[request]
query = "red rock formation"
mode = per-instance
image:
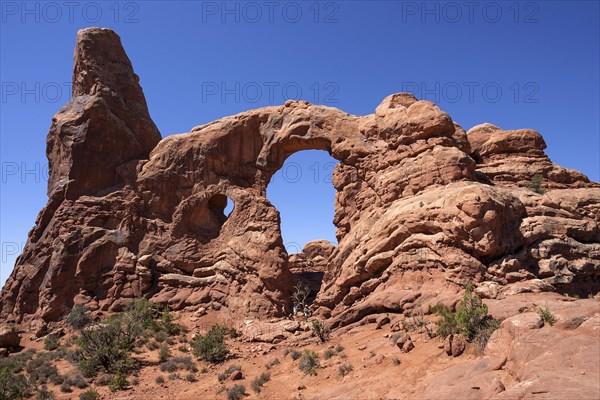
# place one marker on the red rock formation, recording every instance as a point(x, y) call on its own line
point(421, 207)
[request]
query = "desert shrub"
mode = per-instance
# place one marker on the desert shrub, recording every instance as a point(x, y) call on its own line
point(45, 394)
point(13, 386)
point(295, 354)
point(135, 381)
point(191, 377)
point(309, 362)
point(143, 313)
point(342, 355)
point(320, 330)
point(327, 354)
point(212, 346)
point(222, 376)
point(118, 382)
point(160, 379)
point(470, 319)
point(103, 379)
point(161, 336)
point(395, 361)
point(186, 362)
point(395, 337)
point(169, 366)
point(536, 184)
point(51, 342)
point(78, 381)
point(167, 322)
point(79, 317)
point(152, 345)
point(345, 369)
point(90, 394)
point(164, 353)
point(339, 348)
point(41, 370)
point(65, 387)
point(183, 348)
point(105, 346)
point(236, 392)
point(259, 381)
point(231, 369)
point(174, 376)
point(546, 315)
point(272, 363)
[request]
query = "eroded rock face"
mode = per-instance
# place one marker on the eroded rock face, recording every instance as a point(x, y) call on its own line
point(421, 207)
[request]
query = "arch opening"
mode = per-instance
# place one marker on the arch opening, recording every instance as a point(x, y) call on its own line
point(302, 191)
point(203, 218)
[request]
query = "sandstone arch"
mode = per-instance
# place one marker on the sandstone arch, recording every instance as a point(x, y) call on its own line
point(414, 210)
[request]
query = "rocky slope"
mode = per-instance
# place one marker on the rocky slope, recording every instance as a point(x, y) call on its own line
point(422, 207)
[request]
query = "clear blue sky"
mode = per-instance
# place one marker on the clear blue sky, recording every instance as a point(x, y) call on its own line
point(525, 64)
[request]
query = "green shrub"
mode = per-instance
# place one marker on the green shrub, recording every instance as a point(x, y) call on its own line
point(161, 336)
point(470, 319)
point(45, 394)
point(103, 379)
point(536, 184)
point(295, 354)
point(79, 317)
point(320, 330)
point(78, 382)
point(41, 370)
point(183, 348)
point(546, 315)
point(272, 363)
point(143, 313)
point(191, 377)
point(237, 392)
point(309, 362)
point(169, 366)
point(152, 345)
point(51, 342)
point(118, 382)
point(65, 387)
point(106, 346)
point(344, 369)
point(90, 394)
point(167, 322)
point(327, 354)
point(186, 362)
point(211, 347)
point(13, 386)
point(160, 379)
point(164, 353)
point(259, 381)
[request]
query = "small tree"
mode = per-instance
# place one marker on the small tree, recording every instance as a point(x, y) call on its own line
point(321, 330)
point(536, 184)
point(107, 346)
point(299, 296)
point(470, 319)
point(79, 317)
point(211, 347)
